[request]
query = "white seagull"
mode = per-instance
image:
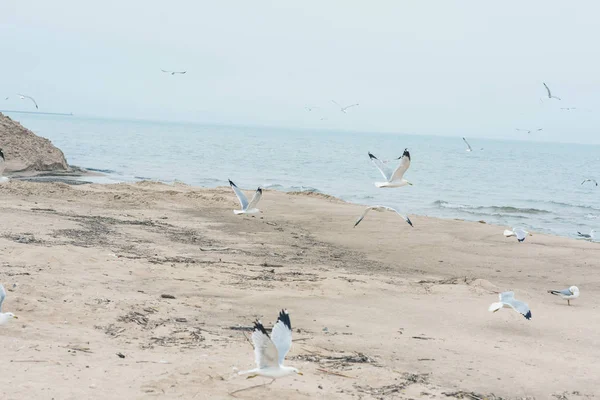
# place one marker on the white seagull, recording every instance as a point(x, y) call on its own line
point(173, 72)
point(468, 145)
point(550, 93)
point(591, 236)
point(270, 352)
point(311, 108)
point(4, 317)
point(394, 179)
point(342, 108)
point(381, 208)
point(590, 180)
point(507, 300)
point(566, 294)
point(247, 208)
point(23, 97)
point(529, 130)
point(521, 234)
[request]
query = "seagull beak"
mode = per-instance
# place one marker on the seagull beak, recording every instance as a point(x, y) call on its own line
point(410, 183)
point(300, 373)
point(15, 317)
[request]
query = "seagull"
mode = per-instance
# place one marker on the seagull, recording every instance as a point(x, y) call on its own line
point(550, 93)
point(521, 234)
point(468, 145)
point(529, 130)
point(381, 208)
point(567, 294)
point(270, 352)
point(311, 108)
point(4, 317)
point(507, 300)
point(174, 72)
point(591, 236)
point(247, 208)
point(23, 97)
point(393, 179)
point(590, 180)
point(342, 108)
point(2, 162)
point(568, 108)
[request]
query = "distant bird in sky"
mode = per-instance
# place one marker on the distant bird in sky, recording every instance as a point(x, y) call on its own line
point(173, 72)
point(381, 208)
point(7, 98)
point(395, 179)
point(311, 108)
point(566, 294)
point(23, 97)
point(568, 108)
point(550, 96)
point(468, 145)
point(247, 208)
point(529, 130)
point(507, 300)
point(590, 180)
point(342, 108)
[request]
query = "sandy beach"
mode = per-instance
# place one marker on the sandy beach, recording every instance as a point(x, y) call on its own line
point(168, 277)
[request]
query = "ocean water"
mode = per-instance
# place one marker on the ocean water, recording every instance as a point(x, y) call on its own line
point(532, 185)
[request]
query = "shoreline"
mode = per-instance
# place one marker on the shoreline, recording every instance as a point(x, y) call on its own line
point(382, 308)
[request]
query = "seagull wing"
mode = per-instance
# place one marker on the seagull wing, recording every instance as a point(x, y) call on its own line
point(520, 307)
point(584, 181)
point(168, 72)
point(30, 98)
point(265, 351)
point(2, 296)
point(405, 218)
point(467, 143)
point(363, 215)
point(548, 90)
point(281, 335)
point(381, 167)
point(404, 165)
point(241, 196)
point(255, 199)
point(337, 104)
point(508, 233)
point(350, 106)
point(564, 292)
point(521, 234)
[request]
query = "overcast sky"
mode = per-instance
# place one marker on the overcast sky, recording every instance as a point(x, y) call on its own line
point(472, 68)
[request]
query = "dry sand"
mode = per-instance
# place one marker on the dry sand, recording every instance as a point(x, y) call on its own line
point(379, 311)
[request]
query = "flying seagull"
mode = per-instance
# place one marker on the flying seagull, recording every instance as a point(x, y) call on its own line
point(468, 145)
point(311, 108)
point(342, 108)
point(381, 208)
point(247, 208)
point(521, 234)
point(567, 294)
point(591, 236)
point(590, 180)
point(174, 72)
point(507, 300)
point(270, 352)
point(394, 179)
point(23, 97)
point(568, 108)
point(550, 93)
point(4, 317)
point(529, 130)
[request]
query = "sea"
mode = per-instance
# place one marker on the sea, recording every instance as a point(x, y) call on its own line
point(533, 185)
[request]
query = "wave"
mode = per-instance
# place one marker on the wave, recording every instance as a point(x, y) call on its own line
point(494, 210)
point(104, 171)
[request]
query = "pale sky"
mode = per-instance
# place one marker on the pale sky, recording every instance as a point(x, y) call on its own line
point(471, 67)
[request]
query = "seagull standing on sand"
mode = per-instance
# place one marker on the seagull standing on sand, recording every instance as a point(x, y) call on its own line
point(173, 72)
point(381, 208)
point(591, 236)
point(590, 180)
point(247, 208)
point(550, 96)
point(507, 300)
point(4, 317)
point(468, 145)
point(521, 234)
point(23, 97)
point(269, 352)
point(567, 294)
point(394, 179)
point(342, 108)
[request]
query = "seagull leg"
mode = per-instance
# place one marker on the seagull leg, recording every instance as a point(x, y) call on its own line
point(568, 302)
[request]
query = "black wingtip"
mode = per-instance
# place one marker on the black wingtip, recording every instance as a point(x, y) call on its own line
point(258, 326)
point(409, 222)
point(259, 190)
point(406, 154)
point(371, 156)
point(284, 317)
point(231, 183)
point(528, 315)
point(521, 240)
point(555, 292)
